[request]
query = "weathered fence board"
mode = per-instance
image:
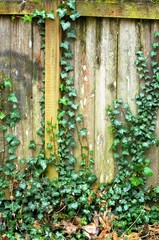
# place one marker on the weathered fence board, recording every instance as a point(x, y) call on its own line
point(127, 84)
point(21, 60)
point(105, 70)
point(52, 76)
point(108, 8)
point(147, 29)
point(105, 85)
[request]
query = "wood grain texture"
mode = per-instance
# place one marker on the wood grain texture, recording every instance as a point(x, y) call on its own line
point(147, 29)
point(128, 44)
point(37, 85)
point(21, 75)
point(4, 73)
point(117, 9)
point(52, 75)
point(105, 92)
point(79, 46)
point(140, 10)
point(84, 64)
point(13, 7)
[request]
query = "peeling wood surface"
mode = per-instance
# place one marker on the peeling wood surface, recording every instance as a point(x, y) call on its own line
point(18, 50)
point(105, 93)
point(105, 70)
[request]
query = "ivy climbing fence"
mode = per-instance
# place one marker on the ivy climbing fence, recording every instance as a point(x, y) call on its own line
point(108, 35)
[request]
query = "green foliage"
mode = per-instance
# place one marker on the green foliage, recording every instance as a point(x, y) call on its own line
point(41, 15)
point(133, 137)
point(37, 204)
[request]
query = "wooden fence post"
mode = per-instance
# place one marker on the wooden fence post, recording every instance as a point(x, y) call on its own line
point(52, 74)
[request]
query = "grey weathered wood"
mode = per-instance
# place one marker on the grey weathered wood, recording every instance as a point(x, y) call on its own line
point(85, 78)
point(128, 44)
point(21, 74)
point(4, 73)
point(79, 62)
point(147, 38)
point(105, 92)
point(37, 85)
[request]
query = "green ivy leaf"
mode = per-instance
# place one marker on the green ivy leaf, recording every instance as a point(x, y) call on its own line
point(156, 189)
point(155, 45)
point(2, 115)
point(27, 18)
point(65, 25)
point(136, 181)
point(148, 171)
point(9, 137)
point(156, 34)
point(12, 98)
point(75, 15)
point(83, 132)
point(61, 12)
point(7, 83)
point(79, 118)
point(64, 45)
point(64, 101)
point(32, 145)
point(73, 205)
point(153, 53)
point(49, 146)
point(71, 33)
point(50, 15)
point(71, 4)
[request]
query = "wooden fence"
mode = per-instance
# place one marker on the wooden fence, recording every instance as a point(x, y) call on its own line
point(108, 35)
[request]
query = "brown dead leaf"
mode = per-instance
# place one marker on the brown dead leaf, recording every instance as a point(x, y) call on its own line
point(147, 208)
point(133, 236)
point(115, 236)
point(77, 221)
point(154, 230)
point(105, 223)
point(36, 225)
point(103, 235)
point(91, 229)
point(69, 227)
point(90, 199)
point(4, 237)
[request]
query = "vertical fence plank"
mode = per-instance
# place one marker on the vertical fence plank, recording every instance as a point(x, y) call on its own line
point(147, 30)
point(21, 74)
point(4, 73)
point(5, 46)
point(105, 92)
point(52, 73)
point(154, 152)
point(37, 85)
point(128, 84)
point(84, 63)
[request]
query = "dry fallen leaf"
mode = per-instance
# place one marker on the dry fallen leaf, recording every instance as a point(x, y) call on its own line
point(133, 236)
point(69, 227)
point(36, 225)
point(91, 229)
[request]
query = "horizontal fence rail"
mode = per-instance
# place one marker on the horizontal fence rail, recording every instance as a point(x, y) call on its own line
point(115, 9)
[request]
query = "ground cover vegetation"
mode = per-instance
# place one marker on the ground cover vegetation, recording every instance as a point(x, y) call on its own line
point(69, 207)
